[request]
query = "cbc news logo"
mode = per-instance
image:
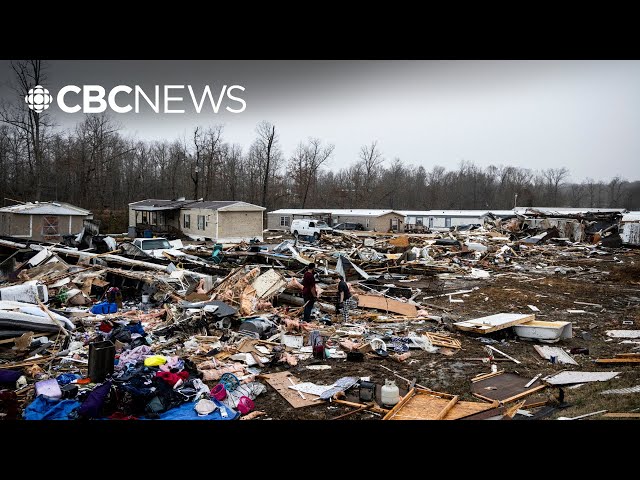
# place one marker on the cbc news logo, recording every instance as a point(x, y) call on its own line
point(38, 99)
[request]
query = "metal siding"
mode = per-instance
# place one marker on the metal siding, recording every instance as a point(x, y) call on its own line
point(210, 228)
point(235, 225)
point(631, 233)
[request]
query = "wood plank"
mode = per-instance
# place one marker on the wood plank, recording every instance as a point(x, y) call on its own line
point(280, 382)
point(448, 407)
point(442, 340)
point(618, 360)
point(622, 415)
point(387, 305)
point(493, 323)
point(484, 376)
point(511, 411)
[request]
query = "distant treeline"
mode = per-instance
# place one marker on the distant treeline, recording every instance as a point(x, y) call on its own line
point(99, 167)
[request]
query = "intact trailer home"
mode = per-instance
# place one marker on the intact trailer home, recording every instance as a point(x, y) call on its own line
point(219, 221)
point(371, 219)
point(42, 220)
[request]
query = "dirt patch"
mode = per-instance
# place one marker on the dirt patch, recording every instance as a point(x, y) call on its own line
point(613, 290)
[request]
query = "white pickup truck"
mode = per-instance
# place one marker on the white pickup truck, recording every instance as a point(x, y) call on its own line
point(156, 246)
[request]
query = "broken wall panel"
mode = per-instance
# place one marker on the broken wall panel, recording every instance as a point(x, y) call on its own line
point(504, 387)
point(493, 323)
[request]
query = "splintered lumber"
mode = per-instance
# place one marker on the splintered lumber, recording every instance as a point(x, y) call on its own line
point(503, 354)
point(420, 404)
point(373, 408)
point(492, 323)
point(281, 381)
point(387, 304)
point(359, 409)
point(618, 360)
point(622, 415)
point(443, 340)
point(511, 411)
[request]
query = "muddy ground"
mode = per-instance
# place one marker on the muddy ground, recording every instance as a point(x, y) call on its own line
point(612, 281)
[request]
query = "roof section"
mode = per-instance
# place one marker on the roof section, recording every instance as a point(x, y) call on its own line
point(549, 211)
point(156, 205)
point(357, 212)
point(46, 208)
point(631, 217)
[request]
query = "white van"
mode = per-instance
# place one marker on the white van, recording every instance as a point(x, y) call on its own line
point(309, 227)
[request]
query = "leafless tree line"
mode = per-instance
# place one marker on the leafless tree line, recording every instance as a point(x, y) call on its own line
point(97, 167)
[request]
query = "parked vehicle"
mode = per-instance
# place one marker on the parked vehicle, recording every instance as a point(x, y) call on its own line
point(155, 246)
point(349, 226)
point(309, 227)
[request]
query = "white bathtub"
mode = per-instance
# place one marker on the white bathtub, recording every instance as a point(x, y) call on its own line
point(546, 332)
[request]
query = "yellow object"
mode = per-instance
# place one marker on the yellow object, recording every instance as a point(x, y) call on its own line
point(154, 361)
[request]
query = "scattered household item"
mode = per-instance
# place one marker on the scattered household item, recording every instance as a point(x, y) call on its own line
point(367, 391)
point(229, 381)
point(104, 308)
point(245, 405)
point(219, 392)
point(48, 388)
point(546, 332)
point(101, 358)
point(390, 394)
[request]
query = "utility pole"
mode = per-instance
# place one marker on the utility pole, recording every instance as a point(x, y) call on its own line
point(515, 201)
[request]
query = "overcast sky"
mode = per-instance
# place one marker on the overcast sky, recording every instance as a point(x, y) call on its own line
point(584, 115)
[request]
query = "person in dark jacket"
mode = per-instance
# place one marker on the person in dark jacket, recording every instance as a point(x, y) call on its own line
point(345, 299)
point(309, 292)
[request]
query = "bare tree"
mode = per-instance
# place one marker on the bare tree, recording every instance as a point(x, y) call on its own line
point(555, 178)
point(304, 165)
point(371, 159)
point(28, 74)
point(266, 152)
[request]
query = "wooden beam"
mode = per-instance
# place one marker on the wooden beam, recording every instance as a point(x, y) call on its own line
point(447, 407)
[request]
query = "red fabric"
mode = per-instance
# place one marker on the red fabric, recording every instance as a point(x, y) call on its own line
point(172, 378)
point(121, 416)
point(105, 327)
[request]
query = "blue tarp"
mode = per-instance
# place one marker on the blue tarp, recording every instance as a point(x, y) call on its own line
point(186, 411)
point(43, 408)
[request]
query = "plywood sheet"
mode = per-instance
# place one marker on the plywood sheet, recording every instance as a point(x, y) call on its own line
point(495, 322)
point(423, 405)
point(268, 284)
point(280, 382)
point(387, 304)
point(566, 378)
point(505, 387)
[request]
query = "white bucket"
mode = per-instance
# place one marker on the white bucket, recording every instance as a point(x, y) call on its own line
point(145, 298)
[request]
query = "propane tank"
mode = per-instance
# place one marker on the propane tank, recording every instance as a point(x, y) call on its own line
point(389, 393)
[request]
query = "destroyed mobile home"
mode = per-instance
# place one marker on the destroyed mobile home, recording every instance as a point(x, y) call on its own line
point(528, 317)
